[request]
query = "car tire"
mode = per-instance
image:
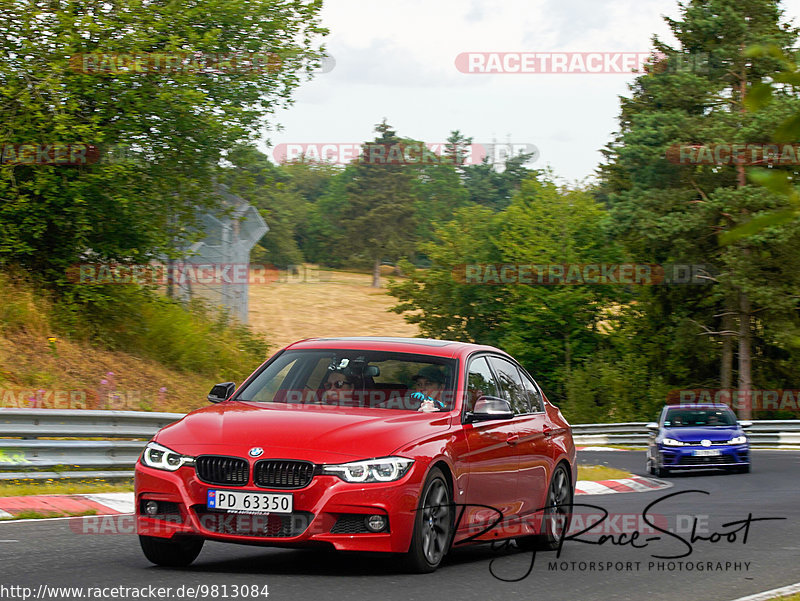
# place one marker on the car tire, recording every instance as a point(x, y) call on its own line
point(171, 553)
point(743, 469)
point(556, 518)
point(650, 467)
point(661, 472)
point(433, 526)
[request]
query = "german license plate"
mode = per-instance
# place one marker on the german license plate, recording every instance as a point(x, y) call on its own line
point(707, 452)
point(249, 502)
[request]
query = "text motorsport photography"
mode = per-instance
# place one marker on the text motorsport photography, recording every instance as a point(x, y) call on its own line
point(667, 548)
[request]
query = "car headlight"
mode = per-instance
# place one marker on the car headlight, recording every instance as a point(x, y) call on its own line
point(385, 469)
point(738, 440)
point(671, 442)
point(162, 458)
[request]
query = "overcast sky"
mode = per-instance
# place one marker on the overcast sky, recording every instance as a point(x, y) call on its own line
point(397, 60)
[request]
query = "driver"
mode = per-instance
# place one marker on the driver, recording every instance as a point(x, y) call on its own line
point(338, 389)
point(429, 386)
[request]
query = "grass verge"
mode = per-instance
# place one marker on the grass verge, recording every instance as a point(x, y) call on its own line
point(600, 472)
point(36, 515)
point(23, 488)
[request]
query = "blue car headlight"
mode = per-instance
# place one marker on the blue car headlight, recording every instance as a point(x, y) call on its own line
point(738, 440)
point(671, 442)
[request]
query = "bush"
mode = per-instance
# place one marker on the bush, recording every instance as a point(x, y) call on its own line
point(135, 320)
point(191, 338)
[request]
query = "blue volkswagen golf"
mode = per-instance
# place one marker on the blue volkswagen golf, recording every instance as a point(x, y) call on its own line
point(697, 437)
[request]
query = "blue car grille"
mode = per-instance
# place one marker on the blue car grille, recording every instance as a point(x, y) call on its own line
point(720, 459)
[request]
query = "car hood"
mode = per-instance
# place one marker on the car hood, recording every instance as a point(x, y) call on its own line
point(712, 433)
point(313, 433)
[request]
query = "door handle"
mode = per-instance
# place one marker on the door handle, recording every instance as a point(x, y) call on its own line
point(512, 439)
point(547, 430)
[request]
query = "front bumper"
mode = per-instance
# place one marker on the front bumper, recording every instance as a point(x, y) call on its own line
point(687, 457)
point(325, 513)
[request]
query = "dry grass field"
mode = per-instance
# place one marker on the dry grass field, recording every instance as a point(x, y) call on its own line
point(40, 370)
point(324, 303)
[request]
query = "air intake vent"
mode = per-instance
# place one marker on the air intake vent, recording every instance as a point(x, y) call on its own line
point(227, 471)
point(274, 473)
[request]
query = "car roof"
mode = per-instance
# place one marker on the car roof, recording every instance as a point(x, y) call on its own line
point(699, 406)
point(423, 346)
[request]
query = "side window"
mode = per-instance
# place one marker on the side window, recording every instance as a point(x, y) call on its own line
point(510, 385)
point(534, 396)
point(480, 382)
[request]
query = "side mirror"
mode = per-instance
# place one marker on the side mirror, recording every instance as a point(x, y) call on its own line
point(490, 408)
point(652, 426)
point(220, 392)
point(746, 424)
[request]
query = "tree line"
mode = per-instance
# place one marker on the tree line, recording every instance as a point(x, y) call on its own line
point(722, 233)
point(605, 350)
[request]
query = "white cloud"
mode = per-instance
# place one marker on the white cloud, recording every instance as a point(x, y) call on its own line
point(396, 60)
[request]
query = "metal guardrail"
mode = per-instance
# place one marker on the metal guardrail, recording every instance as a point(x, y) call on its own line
point(43, 444)
point(28, 449)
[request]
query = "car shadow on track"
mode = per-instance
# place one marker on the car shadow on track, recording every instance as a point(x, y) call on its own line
point(323, 562)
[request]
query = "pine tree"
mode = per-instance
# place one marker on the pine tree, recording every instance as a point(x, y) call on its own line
point(379, 220)
point(674, 211)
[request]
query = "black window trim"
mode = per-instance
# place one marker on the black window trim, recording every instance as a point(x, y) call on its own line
point(535, 385)
point(519, 368)
point(465, 392)
point(510, 359)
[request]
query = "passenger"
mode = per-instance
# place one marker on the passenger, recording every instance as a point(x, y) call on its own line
point(429, 385)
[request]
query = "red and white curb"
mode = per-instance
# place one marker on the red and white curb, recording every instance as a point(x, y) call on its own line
point(621, 485)
point(773, 594)
point(103, 504)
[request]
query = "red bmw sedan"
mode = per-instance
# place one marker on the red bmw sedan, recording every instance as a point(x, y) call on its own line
point(396, 445)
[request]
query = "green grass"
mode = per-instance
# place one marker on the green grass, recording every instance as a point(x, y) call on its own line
point(24, 488)
point(600, 472)
point(192, 338)
point(35, 515)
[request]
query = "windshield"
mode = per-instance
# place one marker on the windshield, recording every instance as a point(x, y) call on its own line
point(677, 418)
point(356, 378)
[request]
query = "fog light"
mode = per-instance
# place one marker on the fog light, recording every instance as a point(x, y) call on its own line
point(376, 523)
point(151, 507)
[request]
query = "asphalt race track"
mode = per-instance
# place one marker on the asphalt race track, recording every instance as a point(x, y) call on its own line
point(53, 552)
